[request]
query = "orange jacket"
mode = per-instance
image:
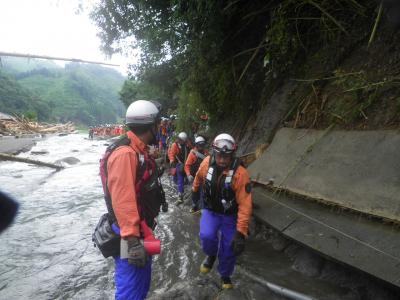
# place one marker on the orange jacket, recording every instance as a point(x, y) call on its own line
point(174, 151)
point(243, 198)
point(192, 158)
point(122, 168)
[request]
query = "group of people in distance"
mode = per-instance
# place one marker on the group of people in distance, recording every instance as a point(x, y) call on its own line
point(220, 190)
point(106, 131)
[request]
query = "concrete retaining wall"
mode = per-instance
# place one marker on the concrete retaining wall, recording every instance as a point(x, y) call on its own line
point(359, 170)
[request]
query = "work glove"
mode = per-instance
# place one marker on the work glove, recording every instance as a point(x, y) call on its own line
point(137, 255)
point(195, 197)
point(190, 178)
point(164, 207)
point(237, 243)
point(161, 171)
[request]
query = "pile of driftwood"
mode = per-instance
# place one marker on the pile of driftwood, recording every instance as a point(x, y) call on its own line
point(21, 125)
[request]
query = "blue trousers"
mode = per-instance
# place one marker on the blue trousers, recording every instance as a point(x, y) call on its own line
point(179, 177)
point(131, 282)
point(216, 234)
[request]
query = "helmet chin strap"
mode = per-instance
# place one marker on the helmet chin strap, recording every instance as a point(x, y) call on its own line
point(154, 137)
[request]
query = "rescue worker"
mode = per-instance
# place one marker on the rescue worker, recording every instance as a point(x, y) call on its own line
point(129, 204)
point(91, 132)
point(163, 135)
point(178, 154)
point(227, 207)
point(195, 157)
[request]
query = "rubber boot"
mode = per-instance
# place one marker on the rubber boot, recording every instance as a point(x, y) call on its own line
point(180, 199)
point(207, 264)
point(195, 210)
point(226, 283)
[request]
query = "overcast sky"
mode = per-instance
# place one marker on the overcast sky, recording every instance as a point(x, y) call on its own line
point(52, 27)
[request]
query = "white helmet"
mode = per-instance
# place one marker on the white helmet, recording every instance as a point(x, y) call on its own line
point(142, 112)
point(199, 140)
point(224, 143)
point(182, 136)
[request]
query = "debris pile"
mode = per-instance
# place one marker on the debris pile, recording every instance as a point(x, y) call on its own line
point(21, 125)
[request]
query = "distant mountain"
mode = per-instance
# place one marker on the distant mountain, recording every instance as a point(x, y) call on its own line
point(83, 93)
point(18, 64)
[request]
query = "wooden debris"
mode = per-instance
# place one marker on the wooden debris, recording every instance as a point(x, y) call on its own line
point(4, 156)
point(20, 125)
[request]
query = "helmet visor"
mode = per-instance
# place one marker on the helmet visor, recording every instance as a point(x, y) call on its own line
point(224, 146)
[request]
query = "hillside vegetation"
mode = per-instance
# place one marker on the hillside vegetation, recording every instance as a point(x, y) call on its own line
point(82, 93)
point(256, 65)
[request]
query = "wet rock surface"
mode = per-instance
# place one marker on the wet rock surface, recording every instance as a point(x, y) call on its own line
point(39, 152)
point(69, 160)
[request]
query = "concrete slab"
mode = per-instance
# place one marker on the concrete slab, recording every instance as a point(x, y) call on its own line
point(365, 244)
point(359, 170)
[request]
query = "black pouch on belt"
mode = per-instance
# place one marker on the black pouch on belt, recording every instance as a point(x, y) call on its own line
point(105, 238)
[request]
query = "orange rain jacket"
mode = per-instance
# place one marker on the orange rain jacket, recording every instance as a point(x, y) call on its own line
point(243, 198)
point(122, 169)
point(192, 159)
point(174, 151)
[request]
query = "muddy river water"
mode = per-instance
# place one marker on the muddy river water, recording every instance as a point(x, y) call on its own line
point(48, 252)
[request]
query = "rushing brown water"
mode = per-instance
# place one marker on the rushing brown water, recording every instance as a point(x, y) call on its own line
point(48, 252)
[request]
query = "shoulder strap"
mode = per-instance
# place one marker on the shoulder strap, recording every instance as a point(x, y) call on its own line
point(198, 154)
point(234, 166)
point(122, 141)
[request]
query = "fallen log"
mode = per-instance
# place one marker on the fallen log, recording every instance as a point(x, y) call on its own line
point(8, 157)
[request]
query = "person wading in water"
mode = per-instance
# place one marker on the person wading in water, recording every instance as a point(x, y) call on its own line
point(227, 207)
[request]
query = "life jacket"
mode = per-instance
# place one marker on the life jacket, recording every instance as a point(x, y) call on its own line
point(149, 192)
point(195, 166)
point(218, 193)
point(183, 152)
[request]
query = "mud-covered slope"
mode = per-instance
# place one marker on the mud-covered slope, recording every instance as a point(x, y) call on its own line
point(347, 84)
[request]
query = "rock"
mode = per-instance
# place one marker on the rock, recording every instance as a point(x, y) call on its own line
point(292, 251)
point(69, 160)
point(308, 263)
point(74, 150)
point(279, 243)
point(40, 152)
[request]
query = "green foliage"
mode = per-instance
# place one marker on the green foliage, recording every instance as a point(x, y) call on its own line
point(156, 83)
point(81, 93)
point(220, 55)
point(31, 115)
point(15, 99)
point(16, 65)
